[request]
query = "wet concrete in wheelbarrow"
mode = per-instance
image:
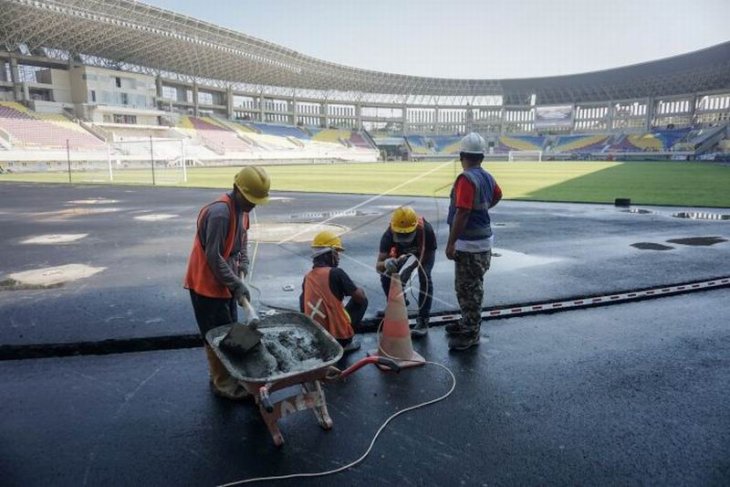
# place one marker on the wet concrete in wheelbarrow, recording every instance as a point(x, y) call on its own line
point(283, 349)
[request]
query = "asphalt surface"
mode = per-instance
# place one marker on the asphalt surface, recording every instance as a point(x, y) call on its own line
point(624, 395)
point(633, 393)
point(544, 252)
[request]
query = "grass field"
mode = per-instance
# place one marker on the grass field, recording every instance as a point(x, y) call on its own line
point(659, 183)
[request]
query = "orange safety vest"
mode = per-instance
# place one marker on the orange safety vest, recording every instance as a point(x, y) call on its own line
point(323, 306)
point(420, 228)
point(199, 277)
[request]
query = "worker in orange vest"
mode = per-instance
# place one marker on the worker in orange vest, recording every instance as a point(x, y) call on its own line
point(325, 287)
point(219, 262)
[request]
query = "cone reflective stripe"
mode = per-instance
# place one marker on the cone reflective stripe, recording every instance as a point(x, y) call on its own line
point(395, 338)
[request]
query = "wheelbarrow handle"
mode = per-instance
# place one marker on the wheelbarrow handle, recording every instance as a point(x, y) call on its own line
point(373, 359)
point(388, 362)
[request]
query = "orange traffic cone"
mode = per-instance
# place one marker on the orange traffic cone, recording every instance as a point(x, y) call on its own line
point(395, 338)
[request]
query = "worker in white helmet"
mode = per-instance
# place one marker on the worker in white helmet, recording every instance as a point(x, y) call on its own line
point(470, 239)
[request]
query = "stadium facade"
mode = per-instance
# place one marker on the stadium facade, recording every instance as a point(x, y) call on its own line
point(111, 65)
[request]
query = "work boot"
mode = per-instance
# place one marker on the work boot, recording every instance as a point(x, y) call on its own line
point(463, 341)
point(221, 382)
point(421, 328)
point(349, 346)
point(454, 328)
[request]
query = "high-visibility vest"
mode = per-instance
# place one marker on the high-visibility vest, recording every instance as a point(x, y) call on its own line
point(199, 277)
point(421, 229)
point(478, 226)
point(322, 305)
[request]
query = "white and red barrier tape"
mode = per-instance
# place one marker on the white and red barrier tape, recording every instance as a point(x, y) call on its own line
point(592, 301)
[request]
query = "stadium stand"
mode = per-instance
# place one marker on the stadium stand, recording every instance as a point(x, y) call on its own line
point(520, 142)
point(348, 138)
point(434, 145)
point(419, 145)
point(330, 135)
point(447, 145)
point(579, 143)
point(655, 141)
point(215, 136)
point(361, 140)
point(278, 130)
point(702, 138)
point(670, 137)
point(31, 130)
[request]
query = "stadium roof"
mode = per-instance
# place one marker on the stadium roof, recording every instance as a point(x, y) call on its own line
point(134, 33)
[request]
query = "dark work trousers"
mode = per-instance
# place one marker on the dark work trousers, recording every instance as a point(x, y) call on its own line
point(213, 312)
point(425, 285)
point(356, 312)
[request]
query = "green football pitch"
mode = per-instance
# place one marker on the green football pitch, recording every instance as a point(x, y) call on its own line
point(648, 183)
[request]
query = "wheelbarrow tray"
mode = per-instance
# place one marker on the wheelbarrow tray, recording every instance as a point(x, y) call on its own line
point(308, 379)
point(328, 349)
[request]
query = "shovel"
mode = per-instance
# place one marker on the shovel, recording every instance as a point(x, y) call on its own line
point(241, 338)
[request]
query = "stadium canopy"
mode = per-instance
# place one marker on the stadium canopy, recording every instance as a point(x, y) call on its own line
point(134, 33)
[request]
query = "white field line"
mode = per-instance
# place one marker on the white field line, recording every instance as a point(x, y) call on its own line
point(374, 198)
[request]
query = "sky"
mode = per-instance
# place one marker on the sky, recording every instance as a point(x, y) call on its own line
point(475, 39)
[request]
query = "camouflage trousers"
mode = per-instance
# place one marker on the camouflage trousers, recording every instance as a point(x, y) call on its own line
point(469, 285)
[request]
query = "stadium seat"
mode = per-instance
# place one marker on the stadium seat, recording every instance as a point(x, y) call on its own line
point(31, 130)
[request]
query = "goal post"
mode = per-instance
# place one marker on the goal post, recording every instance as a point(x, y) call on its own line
point(525, 155)
point(161, 159)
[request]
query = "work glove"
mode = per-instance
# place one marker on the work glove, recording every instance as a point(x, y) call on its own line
point(242, 292)
point(391, 265)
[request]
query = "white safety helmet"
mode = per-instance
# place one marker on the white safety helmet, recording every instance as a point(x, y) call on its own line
point(473, 143)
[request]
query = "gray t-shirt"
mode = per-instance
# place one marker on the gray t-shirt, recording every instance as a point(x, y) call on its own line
point(212, 233)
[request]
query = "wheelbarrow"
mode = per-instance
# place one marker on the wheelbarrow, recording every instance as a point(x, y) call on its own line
point(304, 354)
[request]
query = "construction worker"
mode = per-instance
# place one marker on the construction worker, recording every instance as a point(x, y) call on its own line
point(409, 235)
point(324, 289)
point(470, 239)
point(219, 262)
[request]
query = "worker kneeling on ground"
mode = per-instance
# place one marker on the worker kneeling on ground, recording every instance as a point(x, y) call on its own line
point(325, 287)
point(409, 235)
point(218, 263)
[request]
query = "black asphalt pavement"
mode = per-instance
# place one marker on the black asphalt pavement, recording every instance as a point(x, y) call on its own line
point(634, 393)
point(543, 252)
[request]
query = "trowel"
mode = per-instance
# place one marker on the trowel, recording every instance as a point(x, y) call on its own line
point(241, 338)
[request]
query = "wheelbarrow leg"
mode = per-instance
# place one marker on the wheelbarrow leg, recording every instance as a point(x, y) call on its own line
point(320, 405)
point(271, 419)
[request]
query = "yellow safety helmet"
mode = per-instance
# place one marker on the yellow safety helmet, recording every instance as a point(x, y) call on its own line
point(404, 220)
point(326, 240)
point(254, 184)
